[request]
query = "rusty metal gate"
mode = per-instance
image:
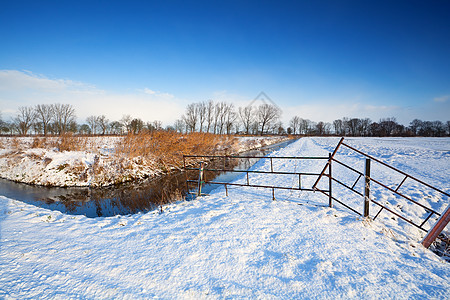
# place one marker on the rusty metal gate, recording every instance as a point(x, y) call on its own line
point(219, 164)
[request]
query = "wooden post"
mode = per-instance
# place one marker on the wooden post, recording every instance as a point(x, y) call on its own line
point(271, 165)
point(437, 228)
point(200, 178)
point(367, 188)
point(330, 197)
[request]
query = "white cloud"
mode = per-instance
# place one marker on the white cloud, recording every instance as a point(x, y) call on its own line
point(444, 98)
point(149, 91)
point(23, 88)
point(13, 80)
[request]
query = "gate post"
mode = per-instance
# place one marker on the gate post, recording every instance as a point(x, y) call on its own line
point(330, 197)
point(437, 228)
point(367, 188)
point(200, 178)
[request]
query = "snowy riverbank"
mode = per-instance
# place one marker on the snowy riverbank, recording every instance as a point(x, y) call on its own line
point(99, 164)
point(241, 246)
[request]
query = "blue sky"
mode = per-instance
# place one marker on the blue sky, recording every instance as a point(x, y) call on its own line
point(321, 60)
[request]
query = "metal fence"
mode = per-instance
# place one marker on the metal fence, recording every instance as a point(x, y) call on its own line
point(219, 164)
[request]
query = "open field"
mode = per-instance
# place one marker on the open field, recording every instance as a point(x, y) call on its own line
point(242, 246)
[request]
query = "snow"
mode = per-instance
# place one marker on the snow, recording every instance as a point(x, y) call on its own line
point(242, 246)
point(99, 165)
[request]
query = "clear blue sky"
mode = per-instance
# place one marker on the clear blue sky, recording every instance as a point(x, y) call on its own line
point(317, 59)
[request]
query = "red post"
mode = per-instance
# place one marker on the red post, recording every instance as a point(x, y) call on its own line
point(328, 163)
point(437, 228)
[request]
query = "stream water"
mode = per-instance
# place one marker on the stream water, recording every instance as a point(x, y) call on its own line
point(124, 199)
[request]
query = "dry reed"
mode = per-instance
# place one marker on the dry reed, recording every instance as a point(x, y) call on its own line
point(167, 148)
point(68, 142)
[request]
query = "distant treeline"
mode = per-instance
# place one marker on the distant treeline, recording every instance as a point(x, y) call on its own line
point(211, 117)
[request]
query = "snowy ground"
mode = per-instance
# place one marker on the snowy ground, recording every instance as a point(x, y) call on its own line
point(241, 246)
point(98, 165)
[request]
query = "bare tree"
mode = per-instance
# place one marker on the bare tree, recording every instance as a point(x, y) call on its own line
point(179, 126)
point(136, 126)
point(209, 114)
point(339, 127)
point(388, 125)
point(24, 119)
point(267, 114)
point(294, 123)
point(305, 126)
point(92, 122)
point(103, 123)
point(353, 125)
point(231, 117)
point(126, 121)
point(201, 111)
point(364, 126)
point(190, 118)
point(247, 117)
point(157, 125)
point(219, 117)
point(116, 127)
point(64, 116)
point(44, 115)
point(84, 129)
point(218, 110)
point(320, 128)
point(415, 126)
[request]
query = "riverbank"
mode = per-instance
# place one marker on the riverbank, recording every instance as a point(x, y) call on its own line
point(103, 161)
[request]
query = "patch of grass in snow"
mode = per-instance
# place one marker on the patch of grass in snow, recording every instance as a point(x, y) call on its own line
point(39, 142)
point(62, 167)
point(168, 147)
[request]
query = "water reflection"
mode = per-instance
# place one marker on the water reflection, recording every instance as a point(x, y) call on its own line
point(128, 198)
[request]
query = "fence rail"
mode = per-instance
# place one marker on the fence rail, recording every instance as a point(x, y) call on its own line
point(433, 233)
point(216, 169)
point(368, 199)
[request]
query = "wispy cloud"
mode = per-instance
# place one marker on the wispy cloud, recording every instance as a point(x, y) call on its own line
point(444, 98)
point(13, 80)
point(24, 88)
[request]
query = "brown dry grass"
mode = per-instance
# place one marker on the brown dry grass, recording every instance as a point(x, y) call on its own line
point(167, 148)
point(68, 142)
point(39, 142)
point(15, 144)
point(164, 148)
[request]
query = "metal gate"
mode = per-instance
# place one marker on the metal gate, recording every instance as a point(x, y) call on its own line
point(219, 164)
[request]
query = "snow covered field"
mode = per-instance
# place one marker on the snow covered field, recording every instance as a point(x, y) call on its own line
point(241, 246)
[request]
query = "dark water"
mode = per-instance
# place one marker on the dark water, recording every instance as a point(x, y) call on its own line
point(128, 198)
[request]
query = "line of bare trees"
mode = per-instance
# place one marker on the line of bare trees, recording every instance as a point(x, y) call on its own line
point(224, 118)
point(58, 119)
point(365, 127)
point(213, 117)
point(43, 118)
point(100, 125)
